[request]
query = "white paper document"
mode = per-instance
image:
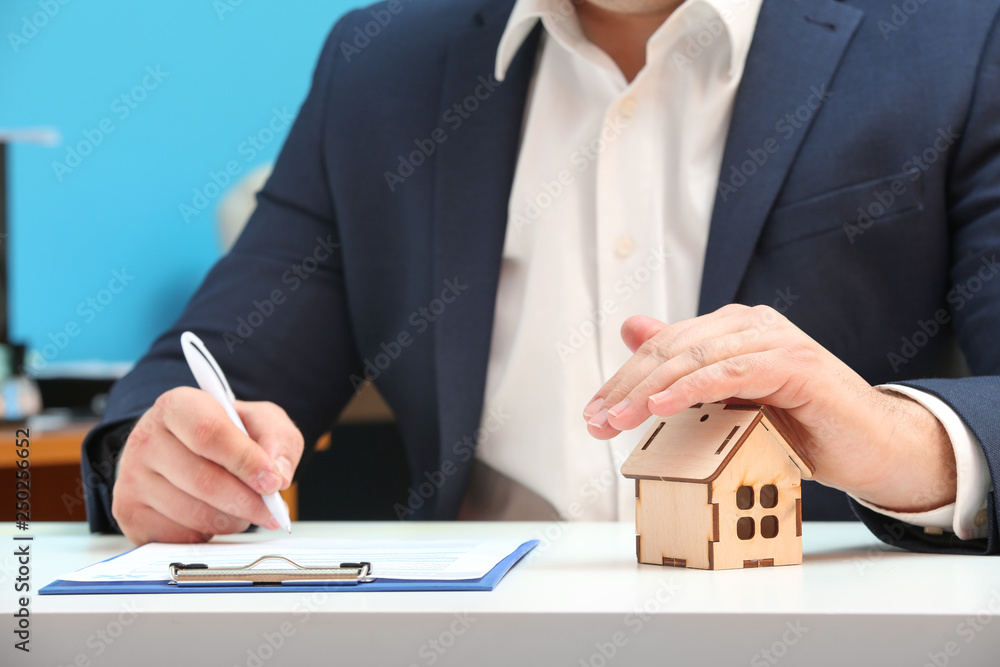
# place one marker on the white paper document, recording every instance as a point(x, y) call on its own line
point(438, 560)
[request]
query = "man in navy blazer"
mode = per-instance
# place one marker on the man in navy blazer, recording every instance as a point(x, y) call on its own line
point(881, 209)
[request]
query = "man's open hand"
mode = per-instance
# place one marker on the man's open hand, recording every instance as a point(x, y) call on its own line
point(188, 473)
point(875, 444)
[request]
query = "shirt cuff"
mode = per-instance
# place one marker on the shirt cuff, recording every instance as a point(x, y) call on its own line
point(966, 517)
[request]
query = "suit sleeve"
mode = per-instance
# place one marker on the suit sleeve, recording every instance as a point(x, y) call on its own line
point(273, 311)
point(966, 517)
point(973, 302)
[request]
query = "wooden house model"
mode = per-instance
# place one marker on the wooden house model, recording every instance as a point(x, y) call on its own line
point(717, 487)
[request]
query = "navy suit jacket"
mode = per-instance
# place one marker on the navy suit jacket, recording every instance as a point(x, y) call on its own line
point(859, 194)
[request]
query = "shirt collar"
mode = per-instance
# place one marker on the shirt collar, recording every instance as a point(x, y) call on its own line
point(738, 19)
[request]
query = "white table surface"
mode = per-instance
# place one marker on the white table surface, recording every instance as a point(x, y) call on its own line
point(579, 599)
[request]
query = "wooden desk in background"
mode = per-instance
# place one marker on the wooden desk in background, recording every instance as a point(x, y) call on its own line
point(56, 486)
point(56, 490)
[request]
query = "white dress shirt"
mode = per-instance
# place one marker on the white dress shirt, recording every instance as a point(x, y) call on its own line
point(608, 218)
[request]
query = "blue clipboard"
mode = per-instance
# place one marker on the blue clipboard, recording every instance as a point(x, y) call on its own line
point(487, 582)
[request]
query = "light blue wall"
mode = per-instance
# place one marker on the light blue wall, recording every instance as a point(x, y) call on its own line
point(223, 73)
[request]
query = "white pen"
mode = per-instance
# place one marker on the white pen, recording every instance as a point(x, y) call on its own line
point(213, 382)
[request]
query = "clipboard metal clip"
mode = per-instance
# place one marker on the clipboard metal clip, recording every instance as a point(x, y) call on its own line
point(250, 575)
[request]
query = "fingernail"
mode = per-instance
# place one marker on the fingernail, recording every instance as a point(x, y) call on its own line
point(284, 467)
point(600, 420)
point(268, 482)
point(619, 409)
point(662, 396)
point(594, 406)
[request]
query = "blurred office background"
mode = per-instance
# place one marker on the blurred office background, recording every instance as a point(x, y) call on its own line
point(150, 100)
point(160, 109)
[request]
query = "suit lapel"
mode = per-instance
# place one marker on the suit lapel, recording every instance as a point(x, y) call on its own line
point(474, 176)
point(796, 51)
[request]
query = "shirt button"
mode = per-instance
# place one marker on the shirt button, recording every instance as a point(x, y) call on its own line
point(628, 107)
point(981, 519)
point(624, 246)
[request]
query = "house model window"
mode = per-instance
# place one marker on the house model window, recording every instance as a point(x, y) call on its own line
point(717, 487)
point(768, 500)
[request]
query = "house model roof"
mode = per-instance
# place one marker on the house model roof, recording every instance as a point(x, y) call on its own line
point(696, 445)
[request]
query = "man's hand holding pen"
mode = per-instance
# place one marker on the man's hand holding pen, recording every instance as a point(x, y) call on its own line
point(187, 471)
